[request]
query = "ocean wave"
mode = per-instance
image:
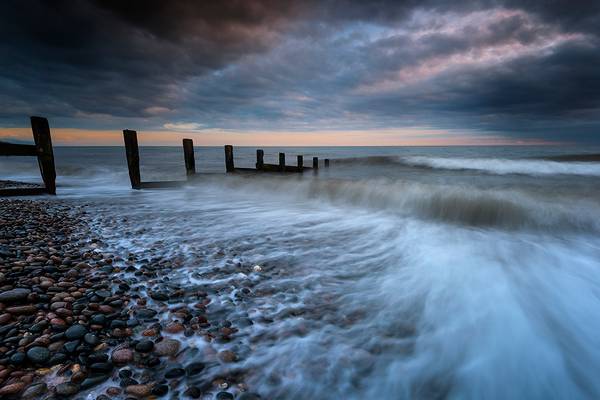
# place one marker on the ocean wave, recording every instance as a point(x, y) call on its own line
point(502, 166)
point(465, 205)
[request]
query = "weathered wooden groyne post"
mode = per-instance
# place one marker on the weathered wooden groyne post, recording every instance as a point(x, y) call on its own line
point(133, 158)
point(260, 159)
point(282, 162)
point(43, 144)
point(42, 149)
point(188, 156)
point(327, 163)
point(229, 166)
point(261, 166)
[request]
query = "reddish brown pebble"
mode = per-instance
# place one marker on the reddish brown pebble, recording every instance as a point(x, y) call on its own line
point(12, 389)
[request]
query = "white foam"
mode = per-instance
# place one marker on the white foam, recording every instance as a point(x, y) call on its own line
point(507, 166)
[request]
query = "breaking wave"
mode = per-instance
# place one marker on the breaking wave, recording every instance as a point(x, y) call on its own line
point(506, 166)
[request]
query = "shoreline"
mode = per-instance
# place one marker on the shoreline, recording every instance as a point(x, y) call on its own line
point(77, 320)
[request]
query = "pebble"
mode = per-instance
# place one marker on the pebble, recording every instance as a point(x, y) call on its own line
point(12, 389)
point(75, 332)
point(122, 356)
point(248, 396)
point(21, 310)
point(227, 356)
point(14, 295)
point(144, 346)
point(224, 396)
point(167, 347)
point(139, 390)
point(174, 373)
point(194, 368)
point(66, 389)
point(34, 391)
point(38, 355)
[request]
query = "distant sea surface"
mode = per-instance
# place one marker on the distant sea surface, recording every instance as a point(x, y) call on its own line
point(399, 272)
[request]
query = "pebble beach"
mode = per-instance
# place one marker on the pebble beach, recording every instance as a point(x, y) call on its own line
point(72, 327)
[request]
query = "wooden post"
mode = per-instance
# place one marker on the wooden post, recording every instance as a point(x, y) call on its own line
point(260, 159)
point(45, 155)
point(133, 157)
point(327, 163)
point(188, 155)
point(300, 163)
point(229, 166)
point(315, 163)
point(282, 162)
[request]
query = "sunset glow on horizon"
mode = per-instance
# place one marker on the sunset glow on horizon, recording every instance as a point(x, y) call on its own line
point(391, 137)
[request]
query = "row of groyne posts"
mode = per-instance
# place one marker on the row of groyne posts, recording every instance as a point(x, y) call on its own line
point(42, 149)
point(133, 163)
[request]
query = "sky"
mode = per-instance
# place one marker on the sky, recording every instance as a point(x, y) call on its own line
point(327, 72)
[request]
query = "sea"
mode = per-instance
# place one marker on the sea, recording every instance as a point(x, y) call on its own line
point(396, 273)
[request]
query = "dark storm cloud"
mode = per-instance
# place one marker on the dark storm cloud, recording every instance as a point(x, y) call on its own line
point(522, 69)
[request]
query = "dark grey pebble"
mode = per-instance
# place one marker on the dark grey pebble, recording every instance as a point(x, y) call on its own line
point(34, 391)
point(144, 346)
point(194, 368)
point(97, 357)
point(98, 319)
point(101, 367)
point(75, 332)
point(58, 358)
point(66, 389)
point(38, 355)
point(193, 392)
point(248, 396)
point(174, 373)
point(125, 373)
point(160, 390)
point(103, 293)
point(17, 358)
point(14, 295)
point(145, 313)
point(71, 346)
point(93, 381)
point(160, 296)
point(91, 339)
point(224, 396)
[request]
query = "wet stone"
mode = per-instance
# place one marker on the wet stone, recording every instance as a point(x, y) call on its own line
point(75, 332)
point(139, 390)
point(167, 347)
point(34, 391)
point(14, 295)
point(224, 396)
point(145, 313)
point(66, 389)
point(144, 346)
point(249, 396)
point(12, 389)
point(122, 356)
point(17, 358)
point(194, 368)
point(93, 381)
point(38, 355)
point(91, 339)
point(71, 346)
point(174, 373)
point(160, 390)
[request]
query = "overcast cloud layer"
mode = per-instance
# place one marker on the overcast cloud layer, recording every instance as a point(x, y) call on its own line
point(519, 69)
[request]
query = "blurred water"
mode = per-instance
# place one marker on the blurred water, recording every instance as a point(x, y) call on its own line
point(422, 273)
